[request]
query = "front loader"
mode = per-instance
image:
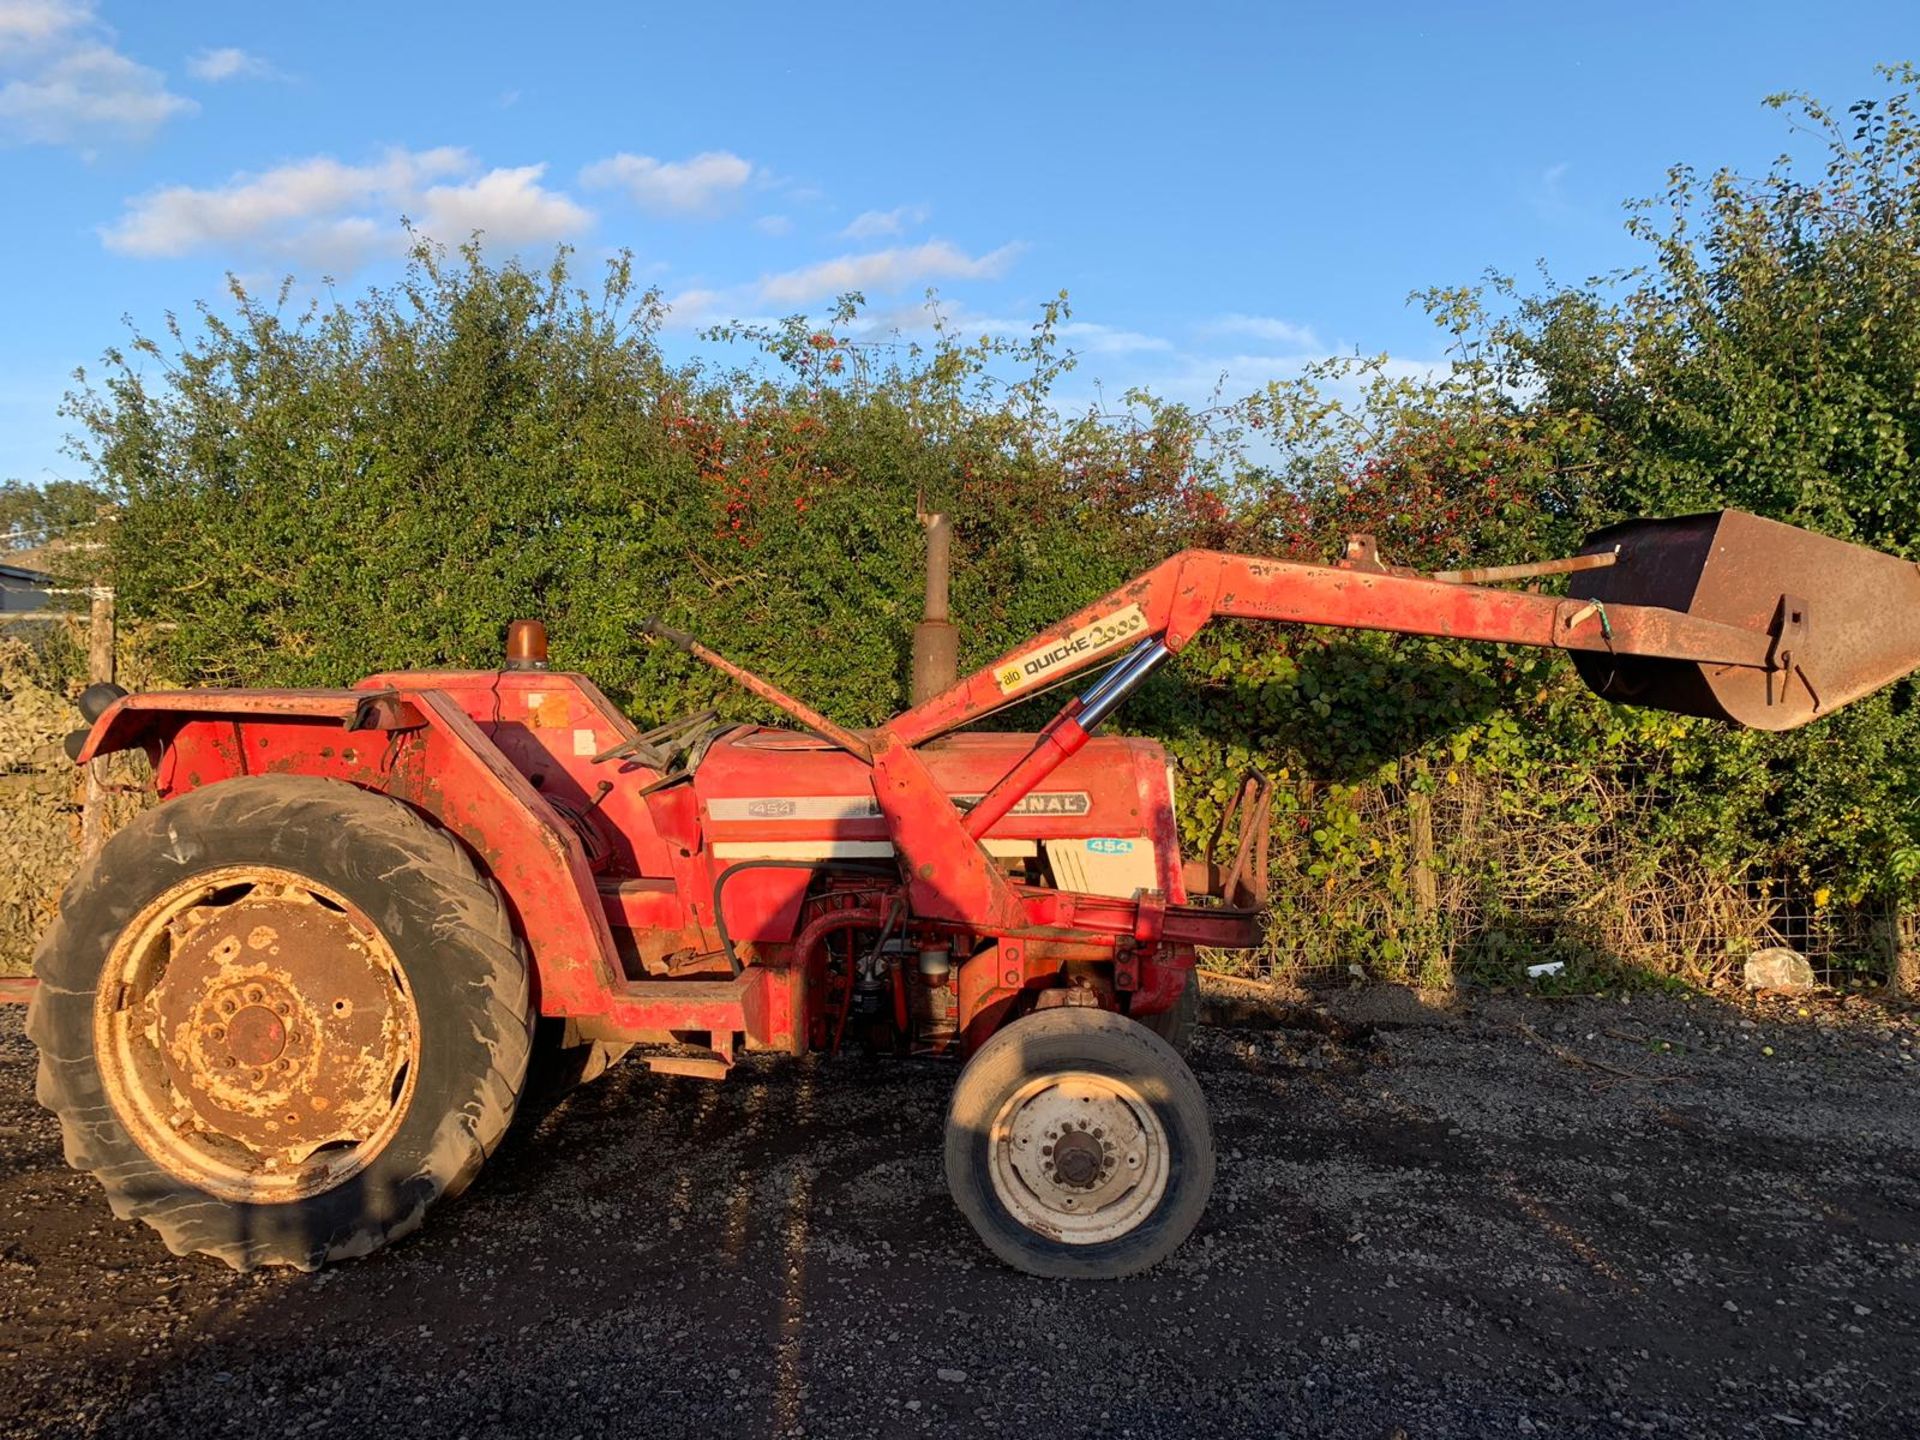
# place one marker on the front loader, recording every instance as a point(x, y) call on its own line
point(297, 1002)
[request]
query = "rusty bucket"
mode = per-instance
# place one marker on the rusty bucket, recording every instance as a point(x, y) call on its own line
point(1845, 619)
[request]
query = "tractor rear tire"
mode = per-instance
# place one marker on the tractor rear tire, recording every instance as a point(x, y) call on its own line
point(280, 1017)
point(1175, 1025)
point(1078, 1145)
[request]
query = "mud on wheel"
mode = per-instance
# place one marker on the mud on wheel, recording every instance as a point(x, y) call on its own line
point(1078, 1145)
point(279, 1018)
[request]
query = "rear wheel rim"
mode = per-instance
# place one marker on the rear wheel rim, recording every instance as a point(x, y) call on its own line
point(1079, 1157)
point(256, 1034)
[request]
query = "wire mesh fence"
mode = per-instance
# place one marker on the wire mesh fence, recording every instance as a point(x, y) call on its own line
point(1476, 877)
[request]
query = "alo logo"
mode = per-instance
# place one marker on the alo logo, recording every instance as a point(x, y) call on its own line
point(1104, 845)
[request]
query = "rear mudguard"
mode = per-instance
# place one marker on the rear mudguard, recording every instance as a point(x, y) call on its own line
point(420, 748)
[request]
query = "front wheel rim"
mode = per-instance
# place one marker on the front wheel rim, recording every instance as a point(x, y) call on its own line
point(1079, 1157)
point(256, 1034)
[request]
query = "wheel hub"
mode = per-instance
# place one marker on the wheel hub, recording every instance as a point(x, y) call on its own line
point(1077, 1159)
point(1081, 1158)
point(259, 1034)
point(255, 1036)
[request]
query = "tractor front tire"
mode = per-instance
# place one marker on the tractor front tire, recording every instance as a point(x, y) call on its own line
point(1078, 1145)
point(280, 1017)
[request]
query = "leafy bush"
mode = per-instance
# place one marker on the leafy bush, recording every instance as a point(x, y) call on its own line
point(390, 482)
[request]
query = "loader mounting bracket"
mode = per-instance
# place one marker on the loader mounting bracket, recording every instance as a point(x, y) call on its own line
point(1786, 656)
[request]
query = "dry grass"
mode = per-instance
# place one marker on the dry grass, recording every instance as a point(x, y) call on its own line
point(40, 792)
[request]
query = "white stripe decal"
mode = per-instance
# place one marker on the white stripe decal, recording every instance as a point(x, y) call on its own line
point(864, 807)
point(794, 807)
point(848, 849)
point(802, 850)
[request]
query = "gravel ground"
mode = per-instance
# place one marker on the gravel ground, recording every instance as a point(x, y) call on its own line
point(1506, 1218)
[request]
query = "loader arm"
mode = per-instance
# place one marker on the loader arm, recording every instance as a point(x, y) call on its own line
point(1732, 636)
point(1173, 601)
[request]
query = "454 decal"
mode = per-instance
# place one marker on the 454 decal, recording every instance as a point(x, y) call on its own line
point(1038, 664)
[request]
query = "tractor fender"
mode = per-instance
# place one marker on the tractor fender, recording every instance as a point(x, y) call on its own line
point(416, 746)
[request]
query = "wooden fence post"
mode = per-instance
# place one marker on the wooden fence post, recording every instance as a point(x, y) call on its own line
point(100, 666)
point(1426, 885)
point(1903, 969)
point(1430, 957)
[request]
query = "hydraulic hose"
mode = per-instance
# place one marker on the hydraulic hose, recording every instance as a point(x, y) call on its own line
point(858, 867)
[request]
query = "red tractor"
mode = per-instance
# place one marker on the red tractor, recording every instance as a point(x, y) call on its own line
point(286, 1010)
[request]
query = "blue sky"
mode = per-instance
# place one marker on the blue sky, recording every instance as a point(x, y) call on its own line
point(1220, 187)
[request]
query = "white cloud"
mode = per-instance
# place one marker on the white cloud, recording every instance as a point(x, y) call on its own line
point(324, 213)
point(511, 206)
point(229, 63)
point(773, 224)
point(64, 81)
point(925, 317)
point(875, 224)
point(87, 93)
point(879, 271)
point(672, 187)
point(65, 84)
point(1548, 196)
point(701, 306)
point(892, 269)
point(1091, 339)
point(29, 24)
point(1265, 327)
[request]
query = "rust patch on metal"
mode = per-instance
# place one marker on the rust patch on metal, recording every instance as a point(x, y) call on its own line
point(552, 712)
point(257, 1034)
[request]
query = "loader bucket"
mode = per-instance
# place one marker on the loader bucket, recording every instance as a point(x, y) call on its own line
point(1846, 618)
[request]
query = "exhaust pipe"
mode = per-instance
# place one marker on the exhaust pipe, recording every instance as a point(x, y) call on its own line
point(936, 643)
